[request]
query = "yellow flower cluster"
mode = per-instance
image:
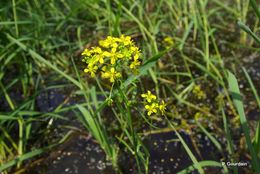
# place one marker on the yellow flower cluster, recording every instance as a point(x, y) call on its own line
point(152, 105)
point(168, 42)
point(198, 116)
point(198, 92)
point(109, 58)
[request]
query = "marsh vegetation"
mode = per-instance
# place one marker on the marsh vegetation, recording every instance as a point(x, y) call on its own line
point(137, 86)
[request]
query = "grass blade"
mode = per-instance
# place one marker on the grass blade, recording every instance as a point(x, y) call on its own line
point(252, 87)
point(256, 140)
point(255, 7)
point(230, 147)
point(249, 31)
point(189, 152)
point(90, 122)
point(203, 164)
point(213, 139)
point(145, 67)
point(33, 153)
point(237, 99)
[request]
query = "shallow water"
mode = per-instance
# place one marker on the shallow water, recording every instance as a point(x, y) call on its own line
point(79, 156)
point(82, 155)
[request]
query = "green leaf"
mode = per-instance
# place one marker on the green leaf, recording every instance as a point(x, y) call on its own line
point(202, 164)
point(255, 7)
point(93, 127)
point(249, 31)
point(237, 99)
point(145, 67)
point(189, 152)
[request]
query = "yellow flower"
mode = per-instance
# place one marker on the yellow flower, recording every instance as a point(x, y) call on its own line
point(151, 108)
point(104, 74)
point(200, 94)
point(108, 42)
point(106, 53)
point(112, 75)
point(100, 58)
point(136, 56)
point(126, 40)
point(86, 52)
point(97, 50)
point(184, 125)
point(162, 107)
point(127, 53)
point(113, 55)
point(198, 116)
point(116, 53)
point(134, 49)
point(134, 64)
point(168, 41)
point(149, 96)
point(91, 69)
point(114, 45)
point(152, 105)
